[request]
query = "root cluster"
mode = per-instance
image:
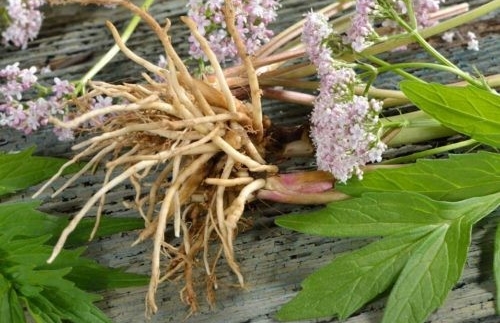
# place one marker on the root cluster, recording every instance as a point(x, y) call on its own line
point(204, 147)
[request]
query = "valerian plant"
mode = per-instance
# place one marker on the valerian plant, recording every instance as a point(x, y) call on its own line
point(28, 285)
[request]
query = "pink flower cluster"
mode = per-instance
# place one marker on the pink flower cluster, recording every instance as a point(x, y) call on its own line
point(252, 18)
point(422, 10)
point(472, 42)
point(344, 126)
point(95, 103)
point(362, 34)
point(25, 20)
point(30, 115)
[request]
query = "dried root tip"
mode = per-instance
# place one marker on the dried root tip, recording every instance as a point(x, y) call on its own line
point(229, 182)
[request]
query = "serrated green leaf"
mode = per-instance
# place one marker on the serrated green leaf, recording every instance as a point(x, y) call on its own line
point(61, 300)
point(383, 213)
point(54, 292)
point(10, 309)
point(37, 228)
point(89, 275)
point(469, 110)
point(36, 223)
point(457, 178)
point(432, 270)
point(57, 305)
point(41, 310)
point(496, 268)
point(21, 219)
point(374, 214)
point(352, 280)
point(427, 275)
point(22, 170)
point(93, 277)
point(16, 309)
point(49, 296)
point(107, 226)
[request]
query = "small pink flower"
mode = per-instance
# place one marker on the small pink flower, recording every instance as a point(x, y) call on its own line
point(62, 88)
point(29, 115)
point(422, 10)
point(99, 102)
point(472, 43)
point(25, 22)
point(64, 134)
point(361, 31)
point(448, 36)
point(252, 18)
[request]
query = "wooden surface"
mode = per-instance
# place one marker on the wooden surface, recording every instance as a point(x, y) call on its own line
point(273, 260)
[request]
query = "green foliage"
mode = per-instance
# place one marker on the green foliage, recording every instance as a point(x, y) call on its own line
point(21, 170)
point(346, 284)
point(423, 251)
point(49, 292)
point(496, 268)
point(379, 214)
point(36, 223)
point(470, 110)
point(424, 212)
point(107, 227)
point(437, 178)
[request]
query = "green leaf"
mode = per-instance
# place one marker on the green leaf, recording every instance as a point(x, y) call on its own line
point(496, 268)
point(10, 308)
point(384, 213)
point(457, 178)
point(89, 275)
point(21, 219)
point(54, 292)
point(469, 110)
point(419, 287)
point(22, 170)
point(15, 308)
point(425, 267)
point(352, 280)
point(61, 298)
point(432, 270)
point(107, 226)
point(48, 294)
point(36, 223)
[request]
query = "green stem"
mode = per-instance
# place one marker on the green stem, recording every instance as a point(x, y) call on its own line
point(434, 30)
point(416, 121)
point(411, 14)
point(43, 91)
point(397, 67)
point(392, 67)
point(414, 127)
point(429, 152)
point(104, 60)
point(437, 55)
